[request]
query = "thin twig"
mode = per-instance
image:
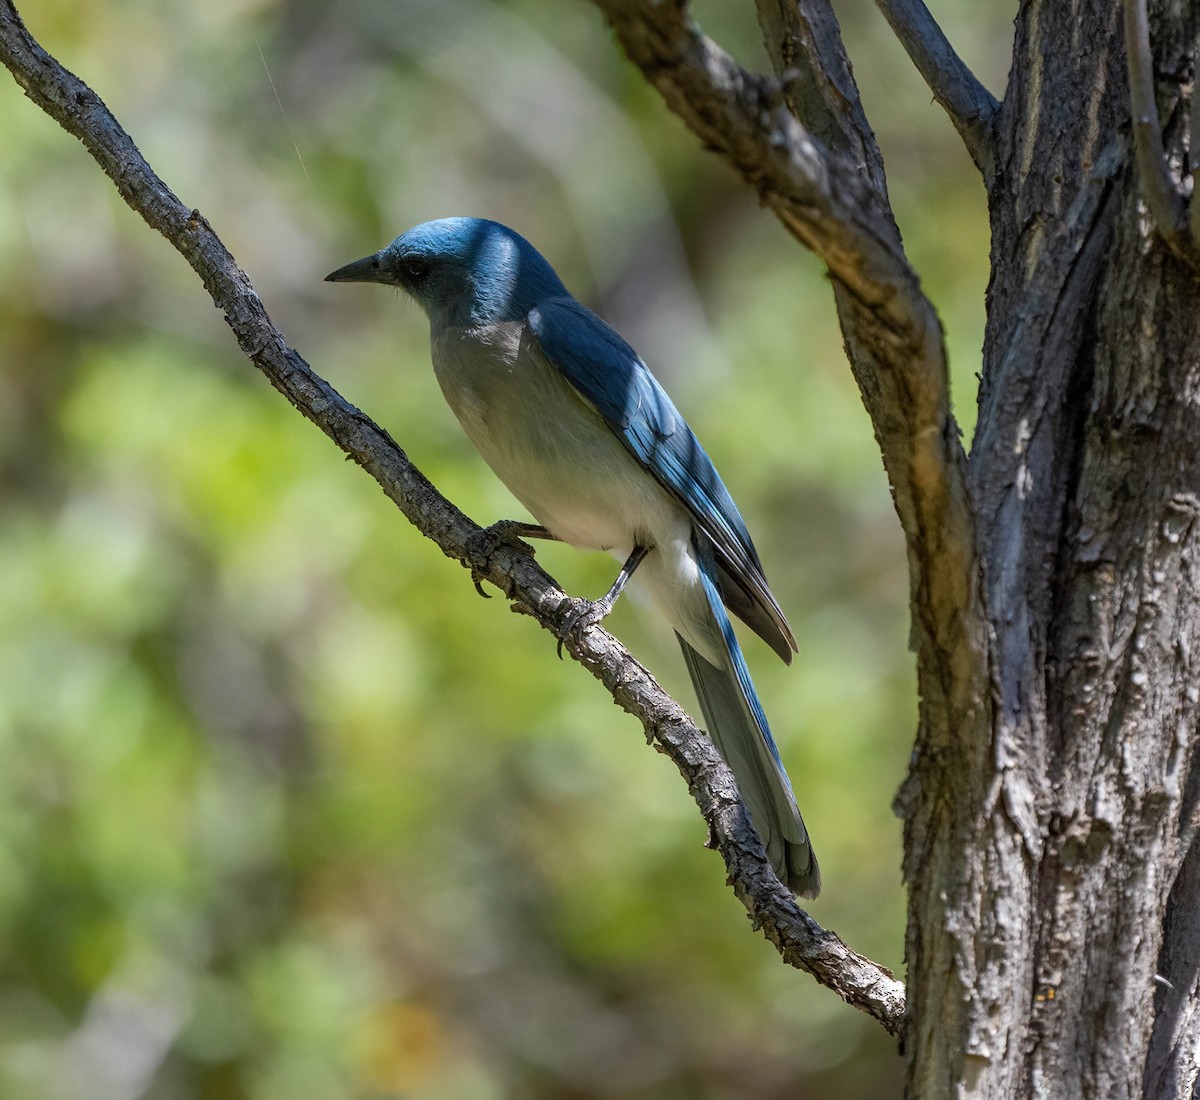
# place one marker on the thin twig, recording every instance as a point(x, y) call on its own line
point(799, 939)
point(971, 107)
point(1162, 196)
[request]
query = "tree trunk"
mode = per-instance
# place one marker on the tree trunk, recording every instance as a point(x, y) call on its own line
point(1054, 933)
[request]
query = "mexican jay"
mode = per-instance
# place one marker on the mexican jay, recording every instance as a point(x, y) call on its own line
point(576, 426)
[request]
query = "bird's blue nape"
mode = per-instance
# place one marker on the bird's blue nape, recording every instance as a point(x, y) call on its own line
point(482, 272)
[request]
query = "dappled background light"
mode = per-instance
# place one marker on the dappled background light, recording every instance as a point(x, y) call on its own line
point(286, 810)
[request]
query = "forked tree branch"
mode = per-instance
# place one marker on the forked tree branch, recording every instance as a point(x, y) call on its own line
point(799, 939)
point(971, 107)
point(821, 198)
point(829, 198)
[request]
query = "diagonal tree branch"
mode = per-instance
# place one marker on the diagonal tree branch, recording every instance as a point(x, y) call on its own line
point(828, 199)
point(799, 939)
point(823, 199)
point(971, 107)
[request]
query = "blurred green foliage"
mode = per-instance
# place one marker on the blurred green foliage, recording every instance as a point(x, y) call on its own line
point(286, 811)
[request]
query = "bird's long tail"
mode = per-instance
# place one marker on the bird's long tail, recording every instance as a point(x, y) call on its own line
point(739, 729)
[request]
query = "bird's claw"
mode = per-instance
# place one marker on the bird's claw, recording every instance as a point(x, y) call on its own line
point(484, 543)
point(584, 615)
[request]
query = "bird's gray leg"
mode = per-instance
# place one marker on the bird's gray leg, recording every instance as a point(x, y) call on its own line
point(589, 613)
point(484, 544)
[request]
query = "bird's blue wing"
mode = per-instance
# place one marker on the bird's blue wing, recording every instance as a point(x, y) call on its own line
point(608, 372)
point(610, 375)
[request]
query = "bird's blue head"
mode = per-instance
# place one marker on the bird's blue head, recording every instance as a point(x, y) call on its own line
point(461, 271)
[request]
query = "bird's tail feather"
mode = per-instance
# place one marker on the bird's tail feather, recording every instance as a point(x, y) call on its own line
point(739, 729)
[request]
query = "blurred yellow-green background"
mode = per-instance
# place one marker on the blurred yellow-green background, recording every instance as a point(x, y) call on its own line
point(286, 811)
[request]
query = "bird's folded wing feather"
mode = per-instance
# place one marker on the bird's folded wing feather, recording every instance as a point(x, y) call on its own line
point(608, 373)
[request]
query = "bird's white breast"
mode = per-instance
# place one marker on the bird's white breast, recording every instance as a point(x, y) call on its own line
point(546, 442)
point(559, 458)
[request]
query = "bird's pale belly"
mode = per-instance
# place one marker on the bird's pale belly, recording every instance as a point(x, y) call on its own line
point(552, 448)
point(579, 481)
point(606, 502)
point(561, 460)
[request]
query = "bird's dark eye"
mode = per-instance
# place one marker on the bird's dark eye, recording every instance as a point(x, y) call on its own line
point(416, 269)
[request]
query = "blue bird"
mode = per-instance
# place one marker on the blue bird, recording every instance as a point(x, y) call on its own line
point(573, 422)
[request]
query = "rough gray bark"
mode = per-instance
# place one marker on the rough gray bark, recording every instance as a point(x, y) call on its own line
point(1086, 470)
point(1053, 941)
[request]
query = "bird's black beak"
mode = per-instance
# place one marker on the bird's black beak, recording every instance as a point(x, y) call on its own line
point(371, 269)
